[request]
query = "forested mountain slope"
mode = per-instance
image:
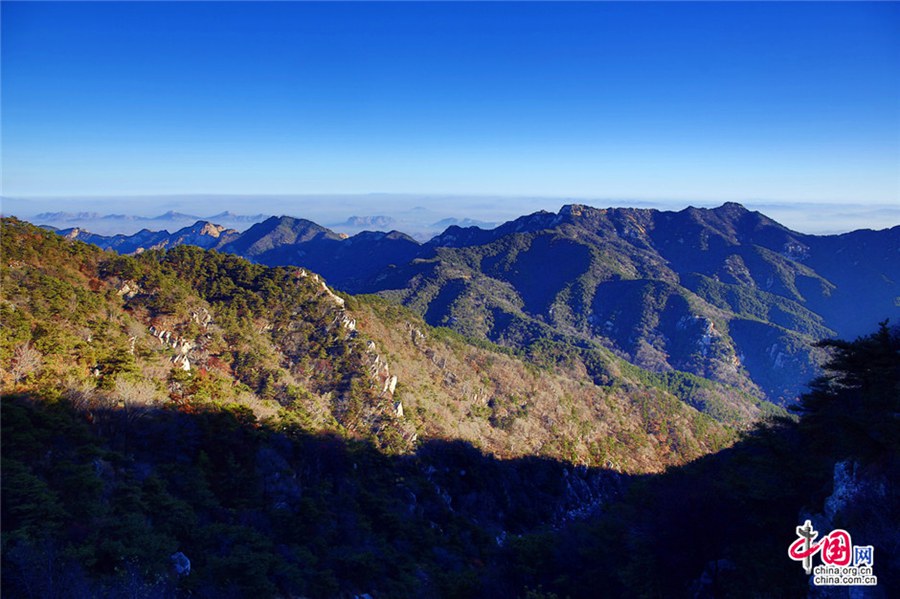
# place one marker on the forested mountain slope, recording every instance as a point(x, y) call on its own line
point(725, 294)
point(190, 407)
point(191, 401)
point(189, 325)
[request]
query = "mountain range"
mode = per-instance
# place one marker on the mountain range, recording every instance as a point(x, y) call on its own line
point(725, 294)
point(421, 223)
point(184, 422)
point(275, 339)
point(129, 224)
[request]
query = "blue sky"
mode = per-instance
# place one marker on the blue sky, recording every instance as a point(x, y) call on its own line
point(680, 102)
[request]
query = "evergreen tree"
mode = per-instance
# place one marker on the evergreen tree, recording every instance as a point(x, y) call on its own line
point(852, 411)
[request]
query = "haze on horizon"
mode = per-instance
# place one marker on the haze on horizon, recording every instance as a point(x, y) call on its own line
point(465, 109)
point(421, 216)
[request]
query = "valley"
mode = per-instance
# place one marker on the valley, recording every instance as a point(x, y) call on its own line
point(724, 294)
point(496, 408)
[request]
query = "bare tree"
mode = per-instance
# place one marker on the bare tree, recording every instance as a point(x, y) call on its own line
point(137, 396)
point(26, 360)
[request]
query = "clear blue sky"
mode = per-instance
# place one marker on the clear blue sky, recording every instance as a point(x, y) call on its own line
point(705, 101)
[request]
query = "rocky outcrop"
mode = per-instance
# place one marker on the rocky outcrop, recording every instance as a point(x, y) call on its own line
point(202, 317)
point(181, 345)
point(390, 385)
point(861, 502)
point(346, 322)
point(182, 362)
point(128, 289)
point(180, 564)
point(337, 300)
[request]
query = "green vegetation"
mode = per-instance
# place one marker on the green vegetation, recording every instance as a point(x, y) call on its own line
point(80, 319)
point(725, 294)
point(702, 394)
point(281, 464)
point(851, 411)
point(663, 290)
point(749, 302)
point(720, 526)
point(120, 330)
point(257, 512)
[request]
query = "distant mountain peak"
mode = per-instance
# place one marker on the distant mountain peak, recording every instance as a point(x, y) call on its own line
point(381, 235)
point(463, 222)
point(173, 215)
point(731, 207)
point(297, 224)
point(573, 210)
point(65, 216)
point(277, 231)
point(379, 221)
point(211, 229)
point(204, 227)
point(73, 233)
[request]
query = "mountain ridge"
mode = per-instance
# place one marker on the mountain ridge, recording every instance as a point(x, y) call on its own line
point(557, 272)
point(188, 326)
point(188, 406)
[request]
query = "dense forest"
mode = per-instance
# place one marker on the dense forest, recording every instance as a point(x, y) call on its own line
point(186, 423)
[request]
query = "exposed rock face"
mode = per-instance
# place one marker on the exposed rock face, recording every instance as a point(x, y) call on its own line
point(337, 300)
point(850, 483)
point(416, 336)
point(129, 289)
point(183, 362)
point(346, 322)
point(181, 345)
point(390, 384)
point(860, 503)
point(180, 563)
point(211, 230)
point(201, 317)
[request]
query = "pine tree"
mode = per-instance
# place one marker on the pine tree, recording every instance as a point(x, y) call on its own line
point(854, 409)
